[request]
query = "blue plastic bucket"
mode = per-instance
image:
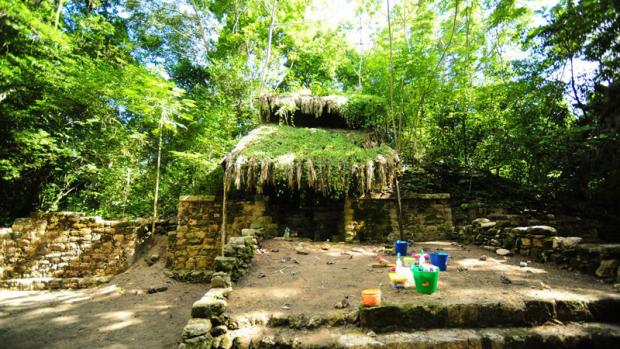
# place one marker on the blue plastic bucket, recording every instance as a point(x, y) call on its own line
point(440, 260)
point(400, 247)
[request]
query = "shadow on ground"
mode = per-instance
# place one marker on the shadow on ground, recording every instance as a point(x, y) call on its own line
point(118, 315)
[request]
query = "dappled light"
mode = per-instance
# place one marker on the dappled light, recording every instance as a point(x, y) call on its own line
point(66, 319)
point(496, 265)
point(313, 285)
point(309, 173)
point(119, 319)
point(120, 314)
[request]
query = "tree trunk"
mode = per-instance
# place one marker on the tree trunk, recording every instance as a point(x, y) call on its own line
point(58, 10)
point(274, 9)
point(391, 77)
point(400, 210)
point(155, 197)
point(203, 28)
point(223, 227)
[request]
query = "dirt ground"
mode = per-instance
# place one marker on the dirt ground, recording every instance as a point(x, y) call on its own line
point(284, 282)
point(122, 315)
point(118, 315)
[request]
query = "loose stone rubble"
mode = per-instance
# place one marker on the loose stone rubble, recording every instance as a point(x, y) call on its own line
point(543, 243)
point(209, 326)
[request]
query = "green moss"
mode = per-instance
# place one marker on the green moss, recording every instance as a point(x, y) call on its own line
point(318, 145)
point(327, 160)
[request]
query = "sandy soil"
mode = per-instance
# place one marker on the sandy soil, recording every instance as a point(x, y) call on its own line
point(118, 315)
point(308, 284)
point(122, 315)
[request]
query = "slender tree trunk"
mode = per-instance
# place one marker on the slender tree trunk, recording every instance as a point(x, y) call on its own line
point(420, 107)
point(155, 197)
point(464, 135)
point(400, 209)
point(394, 127)
point(391, 78)
point(274, 9)
point(469, 87)
point(359, 68)
point(203, 28)
point(223, 227)
point(572, 85)
point(58, 10)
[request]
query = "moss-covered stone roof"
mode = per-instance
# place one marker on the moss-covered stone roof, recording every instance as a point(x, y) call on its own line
point(334, 162)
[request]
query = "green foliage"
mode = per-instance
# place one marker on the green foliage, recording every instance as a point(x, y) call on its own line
point(81, 100)
point(364, 111)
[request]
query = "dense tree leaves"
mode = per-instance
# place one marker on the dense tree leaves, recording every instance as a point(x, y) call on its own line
point(88, 87)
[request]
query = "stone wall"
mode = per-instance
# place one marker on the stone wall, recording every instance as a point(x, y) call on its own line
point(544, 243)
point(425, 217)
point(587, 229)
point(209, 325)
point(66, 250)
point(192, 248)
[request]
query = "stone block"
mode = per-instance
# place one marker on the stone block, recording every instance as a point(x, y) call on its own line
point(250, 232)
point(236, 240)
point(179, 263)
point(221, 280)
point(219, 292)
point(387, 318)
point(202, 342)
point(193, 250)
point(225, 264)
point(537, 243)
point(537, 312)
point(229, 250)
point(201, 262)
point(190, 263)
point(196, 328)
point(250, 241)
point(478, 221)
point(573, 310)
point(208, 307)
point(542, 229)
point(607, 268)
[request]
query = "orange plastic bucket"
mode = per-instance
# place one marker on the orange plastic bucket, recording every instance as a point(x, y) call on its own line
point(371, 297)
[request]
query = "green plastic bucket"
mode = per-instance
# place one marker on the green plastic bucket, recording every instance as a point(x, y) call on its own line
point(425, 281)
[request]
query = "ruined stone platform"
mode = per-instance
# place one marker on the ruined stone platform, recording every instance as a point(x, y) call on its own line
point(289, 298)
point(573, 335)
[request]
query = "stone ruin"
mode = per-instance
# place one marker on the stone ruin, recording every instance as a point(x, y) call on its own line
point(196, 243)
point(67, 250)
point(537, 239)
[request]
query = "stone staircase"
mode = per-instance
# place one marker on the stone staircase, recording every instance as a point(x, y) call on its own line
point(573, 335)
point(534, 323)
point(544, 320)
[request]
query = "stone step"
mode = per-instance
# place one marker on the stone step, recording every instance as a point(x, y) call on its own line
point(526, 312)
point(570, 335)
point(430, 315)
